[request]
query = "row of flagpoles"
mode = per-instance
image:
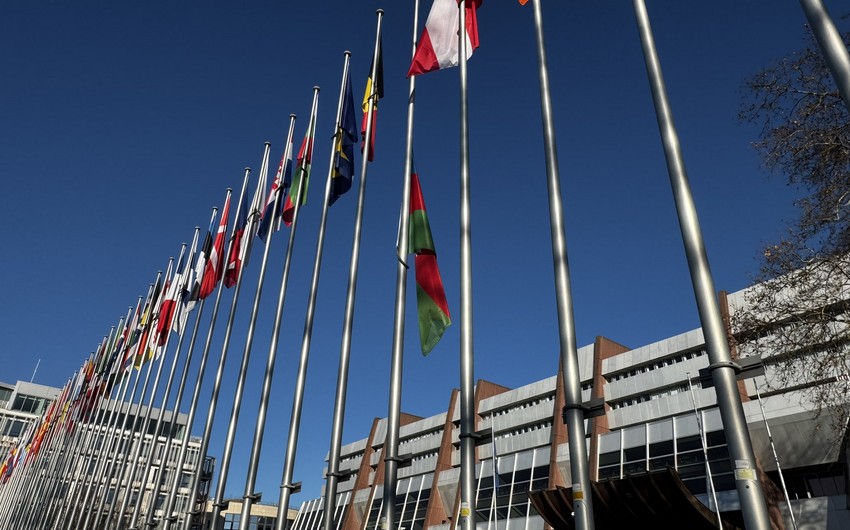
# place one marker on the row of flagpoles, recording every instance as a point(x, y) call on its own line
point(52, 477)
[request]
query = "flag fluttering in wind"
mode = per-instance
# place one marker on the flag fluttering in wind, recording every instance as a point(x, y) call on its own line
point(438, 47)
point(346, 136)
point(282, 181)
point(209, 269)
point(301, 178)
point(169, 305)
point(234, 262)
point(375, 91)
point(431, 301)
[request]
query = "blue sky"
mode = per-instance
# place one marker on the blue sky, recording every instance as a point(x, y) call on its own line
point(122, 124)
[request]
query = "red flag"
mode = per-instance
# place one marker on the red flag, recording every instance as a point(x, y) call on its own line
point(213, 271)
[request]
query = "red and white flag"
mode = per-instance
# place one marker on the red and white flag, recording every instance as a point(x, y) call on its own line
point(438, 48)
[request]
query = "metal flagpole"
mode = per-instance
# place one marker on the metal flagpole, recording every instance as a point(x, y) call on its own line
point(159, 355)
point(101, 442)
point(57, 472)
point(348, 319)
point(831, 44)
point(27, 471)
point(391, 439)
point(178, 400)
point(467, 383)
point(775, 457)
point(750, 493)
point(24, 474)
point(205, 439)
point(168, 516)
point(106, 444)
point(573, 410)
point(93, 441)
point(252, 223)
point(698, 417)
point(180, 277)
point(256, 447)
point(106, 465)
point(286, 486)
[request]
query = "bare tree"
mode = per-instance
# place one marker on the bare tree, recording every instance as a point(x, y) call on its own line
point(797, 313)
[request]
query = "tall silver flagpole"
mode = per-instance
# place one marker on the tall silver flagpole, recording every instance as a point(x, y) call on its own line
point(135, 460)
point(108, 443)
point(219, 375)
point(750, 493)
point(184, 378)
point(467, 383)
point(180, 277)
point(252, 223)
point(775, 457)
point(105, 410)
point(831, 44)
point(391, 440)
point(286, 486)
point(348, 318)
point(698, 417)
point(168, 517)
point(118, 445)
point(56, 473)
point(256, 448)
point(573, 411)
point(25, 474)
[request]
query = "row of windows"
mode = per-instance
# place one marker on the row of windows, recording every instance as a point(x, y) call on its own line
point(660, 363)
point(651, 396)
point(525, 429)
point(31, 404)
point(524, 405)
point(257, 522)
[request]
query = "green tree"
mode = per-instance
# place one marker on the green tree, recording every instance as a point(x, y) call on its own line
point(797, 314)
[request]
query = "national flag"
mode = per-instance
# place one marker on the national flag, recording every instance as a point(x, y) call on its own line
point(234, 262)
point(346, 135)
point(213, 257)
point(282, 181)
point(431, 301)
point(169, 305)
point(375, 91)
point(133, 333)
point(141, 352)
point(301, 179)
point(438, 47)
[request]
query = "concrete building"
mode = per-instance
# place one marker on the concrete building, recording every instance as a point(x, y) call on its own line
point(649, 452)
point(263, 516)
point(85, 453)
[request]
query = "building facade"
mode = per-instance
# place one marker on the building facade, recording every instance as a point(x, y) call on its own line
point(94, 461)
point(659, 418)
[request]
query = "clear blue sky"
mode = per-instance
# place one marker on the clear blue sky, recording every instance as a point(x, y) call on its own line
point(122, 125)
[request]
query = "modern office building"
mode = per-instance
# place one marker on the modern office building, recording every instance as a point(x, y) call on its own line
point(263, 516)
point(96, 454)
point(657, 456)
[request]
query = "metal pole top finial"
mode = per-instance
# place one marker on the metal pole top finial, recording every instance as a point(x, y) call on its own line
point(347, 53)
point(247, 168)
point(379, 12)
point(316, 88)
point(267, 142)
point(231, 189)
point(292, 116)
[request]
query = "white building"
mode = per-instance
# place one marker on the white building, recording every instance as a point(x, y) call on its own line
point(647, 452)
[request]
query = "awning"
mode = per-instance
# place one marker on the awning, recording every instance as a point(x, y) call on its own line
point(658, 500)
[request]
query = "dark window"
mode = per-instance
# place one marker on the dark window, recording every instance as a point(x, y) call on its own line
point(633, 454)
point(661, 448)
point(607, 459)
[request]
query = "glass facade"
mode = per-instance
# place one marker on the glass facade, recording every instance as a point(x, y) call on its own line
point(257, 522)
